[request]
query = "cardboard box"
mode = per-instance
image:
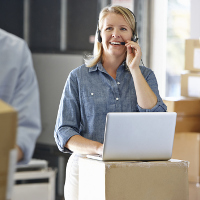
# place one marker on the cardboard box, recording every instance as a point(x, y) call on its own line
point(192, 55)
point(8, 124)
point(194, 191)
point(187, 147)
point(187, 124)
point(188, 112)
point(153, 180)
point(190, 84)
point(188, 106)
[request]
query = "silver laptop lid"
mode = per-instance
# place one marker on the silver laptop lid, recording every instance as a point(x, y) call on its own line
point(139, 136)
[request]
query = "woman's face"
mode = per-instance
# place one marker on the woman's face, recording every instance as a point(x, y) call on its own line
point(115, 29)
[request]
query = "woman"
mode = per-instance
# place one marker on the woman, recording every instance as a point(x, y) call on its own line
point(112, 81)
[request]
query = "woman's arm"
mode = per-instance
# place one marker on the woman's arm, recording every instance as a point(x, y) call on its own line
point(145, 96)
point(81, 145)
point(68, 121)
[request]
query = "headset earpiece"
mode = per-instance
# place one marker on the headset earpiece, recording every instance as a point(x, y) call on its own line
point(134, 38)
point(99, 35)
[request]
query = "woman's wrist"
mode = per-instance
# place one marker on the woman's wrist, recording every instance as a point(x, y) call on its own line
point(99, 148)
point(135, 71)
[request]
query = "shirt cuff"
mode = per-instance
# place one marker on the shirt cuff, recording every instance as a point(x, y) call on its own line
point(62, 136)
point(159, 107)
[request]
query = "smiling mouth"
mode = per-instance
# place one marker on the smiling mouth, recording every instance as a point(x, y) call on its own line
point(117, 43)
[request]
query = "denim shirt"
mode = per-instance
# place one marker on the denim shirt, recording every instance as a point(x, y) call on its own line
point(90, 93)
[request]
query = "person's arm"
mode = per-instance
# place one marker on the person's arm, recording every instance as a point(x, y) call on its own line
point(26, 102)
point(145, 96)
point(67, 129)
point(81, 145)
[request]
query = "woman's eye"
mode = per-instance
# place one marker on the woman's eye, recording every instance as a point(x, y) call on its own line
point(123, 29)
point(109, 28)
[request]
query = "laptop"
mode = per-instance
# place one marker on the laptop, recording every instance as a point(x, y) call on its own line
point(137, 136)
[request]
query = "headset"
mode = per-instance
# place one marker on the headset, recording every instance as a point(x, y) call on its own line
point(134, 38)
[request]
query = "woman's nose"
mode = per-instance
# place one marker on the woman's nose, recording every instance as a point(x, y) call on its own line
point(115, 34)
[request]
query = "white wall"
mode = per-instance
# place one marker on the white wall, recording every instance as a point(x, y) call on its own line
point(195, 19)
point(52, 71)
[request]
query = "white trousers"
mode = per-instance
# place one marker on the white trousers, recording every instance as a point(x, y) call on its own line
point(71, 187)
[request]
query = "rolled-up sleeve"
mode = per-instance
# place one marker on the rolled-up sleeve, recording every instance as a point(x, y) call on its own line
point(68, 118)
point(152, 82)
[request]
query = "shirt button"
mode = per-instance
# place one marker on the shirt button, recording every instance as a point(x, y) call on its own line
point(117, 99)
point(92, 94)
point(118, 83)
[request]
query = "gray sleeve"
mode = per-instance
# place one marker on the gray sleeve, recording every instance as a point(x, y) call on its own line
point(26, 102)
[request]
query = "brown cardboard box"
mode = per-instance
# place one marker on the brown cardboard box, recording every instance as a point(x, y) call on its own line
point(187, 124)
point(183, 105)
point(192, 55)
point(194, 191)
point(190, 84)
point(8, 123)
point(188, 113)
point(153, 180)
point(187, 147)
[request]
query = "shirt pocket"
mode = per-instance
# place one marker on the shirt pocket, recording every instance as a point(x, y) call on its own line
point(94, 103)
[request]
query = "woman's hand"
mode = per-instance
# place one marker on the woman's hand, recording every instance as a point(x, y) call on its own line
point(81, 145)
point(100, 149)
point(134, 55)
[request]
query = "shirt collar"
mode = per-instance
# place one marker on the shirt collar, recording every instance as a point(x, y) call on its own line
point(96, 67)
point(100, 67)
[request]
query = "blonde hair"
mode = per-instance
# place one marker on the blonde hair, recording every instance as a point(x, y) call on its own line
point(92, 60)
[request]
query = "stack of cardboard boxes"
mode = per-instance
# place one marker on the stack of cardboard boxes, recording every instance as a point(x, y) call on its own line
point(187, 133)
point(190, 80)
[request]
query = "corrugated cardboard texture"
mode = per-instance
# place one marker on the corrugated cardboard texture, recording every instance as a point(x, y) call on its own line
point(190, 45)
point(183, 105)
point(187, 147)
point(8, 123)
point(166, 180)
